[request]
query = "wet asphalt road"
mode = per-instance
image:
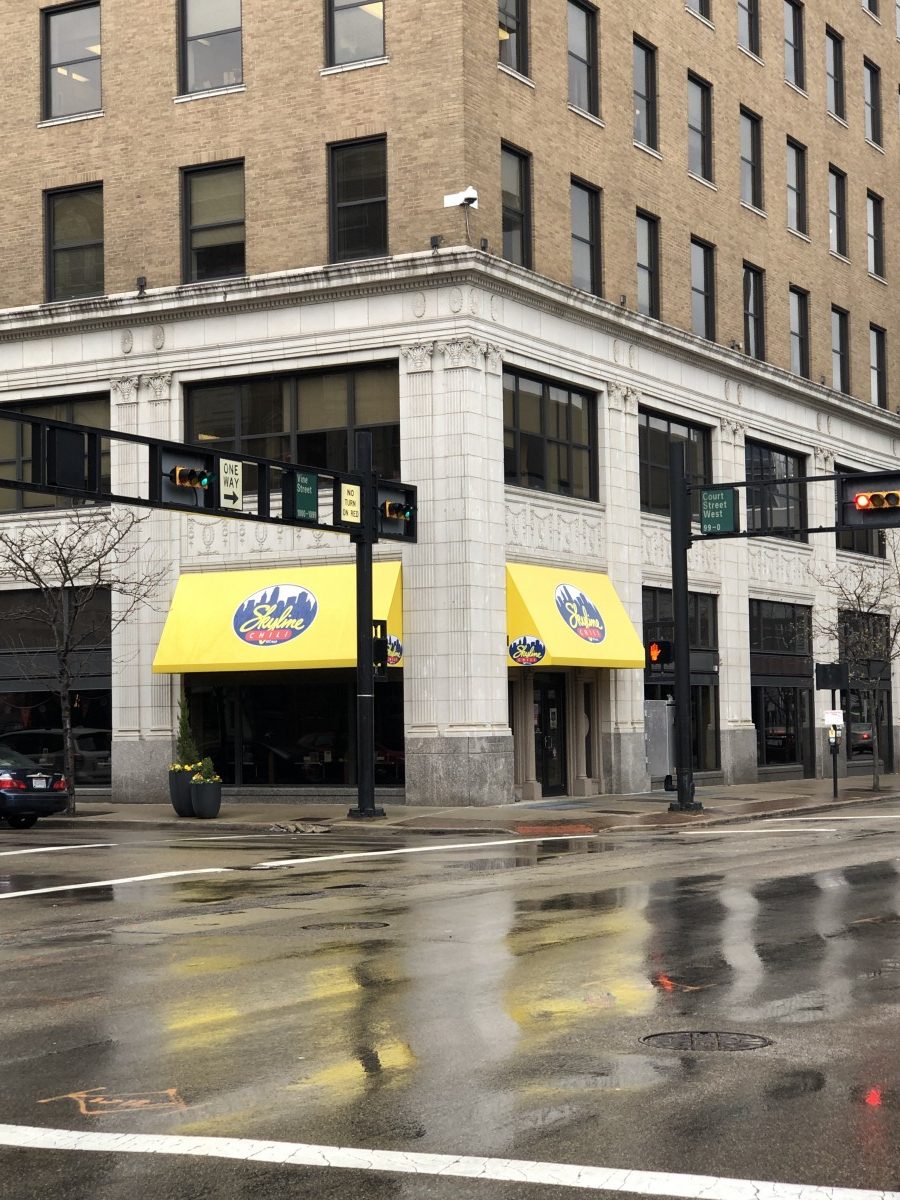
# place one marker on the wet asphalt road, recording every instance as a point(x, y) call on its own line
point(485, 1001)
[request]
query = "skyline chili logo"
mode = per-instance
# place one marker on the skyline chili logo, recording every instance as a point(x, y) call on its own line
point(394, 650)
point(527, 650)
point(580, 613)
point(275, 615)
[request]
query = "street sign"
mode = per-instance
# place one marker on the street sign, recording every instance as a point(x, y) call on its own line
point(231, 483)
point(718, 510)
point(833, 716)
point(351, 503)
point(307, 496)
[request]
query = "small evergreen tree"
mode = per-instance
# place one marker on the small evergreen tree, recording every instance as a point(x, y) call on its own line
point(185, 747)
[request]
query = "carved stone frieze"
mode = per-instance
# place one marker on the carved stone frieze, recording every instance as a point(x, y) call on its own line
point(159, 337)
point(787, 566)
point(418, 356)
point(536, 525)
point(656, 552)
point(463, 352)
point(127, 341)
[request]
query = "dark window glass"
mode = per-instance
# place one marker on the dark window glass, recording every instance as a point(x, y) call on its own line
point(214, 222)
point(877, 366)
point(872, 97)
point(701, 7)
point(840, 350)
point(700, 149)
point(583, 90)
point(549, 441)
point(871, 6)
point(644, 92)
point(513, 15)
point(834, 72)
point(796, 187)
point(837, 211)
point(71, 60)
point(875, 233)
point(782, 716)
point(585, 238)
point(748, 25)
point(703, 292)
point(754, 312)
point(75, 243)
point(210, 44)
point(751, 159)
point(15, 446)
point(359, 200)
point(794, 67)
point(648, 265)
point(655, 433)
point(780, 507)
point(515, 181)
point(355, 31)
point(777, 628)
point(860, 541)
point(799, 319)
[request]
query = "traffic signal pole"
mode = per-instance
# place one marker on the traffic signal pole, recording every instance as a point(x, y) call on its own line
point(680, 515)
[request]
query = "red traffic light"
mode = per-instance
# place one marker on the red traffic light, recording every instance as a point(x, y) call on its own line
point(870, 501)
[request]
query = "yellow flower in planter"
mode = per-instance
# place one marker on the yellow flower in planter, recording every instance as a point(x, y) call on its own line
point(205, 772)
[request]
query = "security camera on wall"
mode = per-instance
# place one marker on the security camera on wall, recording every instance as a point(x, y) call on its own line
point(466, 199)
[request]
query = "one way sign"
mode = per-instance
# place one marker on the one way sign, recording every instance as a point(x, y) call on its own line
point(231, 483)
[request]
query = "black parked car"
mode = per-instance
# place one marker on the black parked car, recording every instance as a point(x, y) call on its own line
point(27, 791)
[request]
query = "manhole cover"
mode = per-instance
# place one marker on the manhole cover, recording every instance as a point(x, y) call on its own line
point(348, 925)
point(693, 1040)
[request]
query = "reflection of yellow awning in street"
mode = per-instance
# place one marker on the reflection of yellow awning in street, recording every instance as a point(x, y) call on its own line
point(275, 619)
point(561, 618)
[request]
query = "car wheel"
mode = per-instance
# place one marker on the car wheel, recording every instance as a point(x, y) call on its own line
point(21, 820)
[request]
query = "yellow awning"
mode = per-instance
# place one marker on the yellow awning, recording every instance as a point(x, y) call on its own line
point(561, 618)
point(276, 619)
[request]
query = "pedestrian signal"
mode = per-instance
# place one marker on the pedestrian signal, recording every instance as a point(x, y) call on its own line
point(659, 653)
point(193, 477)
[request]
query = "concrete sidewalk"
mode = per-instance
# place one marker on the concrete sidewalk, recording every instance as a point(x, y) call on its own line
point(593, 814)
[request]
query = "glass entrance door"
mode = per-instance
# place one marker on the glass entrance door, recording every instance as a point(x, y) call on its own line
point(550, 733)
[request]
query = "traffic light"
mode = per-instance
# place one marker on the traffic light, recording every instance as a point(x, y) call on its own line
point(397, 510)
point(192, 477)
point(873, 501)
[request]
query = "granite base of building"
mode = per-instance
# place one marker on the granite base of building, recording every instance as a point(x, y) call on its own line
point(624, 762)
point(739, 755)
point(140, 770)
point(459, 771)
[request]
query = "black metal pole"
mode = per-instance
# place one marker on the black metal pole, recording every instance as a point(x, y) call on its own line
point(680, 511)
point(365, 667)
point(834, 754)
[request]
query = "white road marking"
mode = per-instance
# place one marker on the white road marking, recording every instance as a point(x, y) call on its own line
point(291, 1154)
point(725, 830)
point(74, 887)
point(56, 849)
point(297, 862)
point(834, 817)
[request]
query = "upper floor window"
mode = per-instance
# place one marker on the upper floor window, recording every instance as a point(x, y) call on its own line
point(872, 99)
point(16, 446)
point(513, 16)
point(355, 31)
point(748, 25)
point(358, 199)
point(877, 366)
point(875, 233)
point(71, 60)
point(834, 73)
point(837, 211)
point(74, 231)
point(703, 289)
point(871, 6)
point(306, 418)
point(655, 433)
point(796, 187)
point(798, 304)
point(648, 264)
point(702, 7)
point(213, 215)
point(754, 311)
point(840, 349)
point(751, 159)
point(644, 92)
point(794, 65)
point(700, 143)
point(515, 181)
point(779, 508)
point(585, 237)
point(548, 436)
point(584, 92)
point(778, 628)
point(210, 44)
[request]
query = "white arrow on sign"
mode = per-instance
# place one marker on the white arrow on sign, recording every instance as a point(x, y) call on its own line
point(231, 483)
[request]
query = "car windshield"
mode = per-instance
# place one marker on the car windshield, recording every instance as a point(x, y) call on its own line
point(11, 759)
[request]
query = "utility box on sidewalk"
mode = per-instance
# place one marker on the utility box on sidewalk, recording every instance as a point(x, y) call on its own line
point(659, 738)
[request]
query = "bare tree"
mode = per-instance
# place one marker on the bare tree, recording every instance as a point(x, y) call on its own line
point(864, 623)
point(63, 565)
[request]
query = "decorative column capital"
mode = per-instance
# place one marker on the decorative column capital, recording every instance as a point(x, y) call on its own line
point(615, 397)
point(493, 359)
point(824, 460)
point(631, 401)
point(464, 352)
point(124, 389)
point(732, 431)
point(418, 356)
point(160, 384)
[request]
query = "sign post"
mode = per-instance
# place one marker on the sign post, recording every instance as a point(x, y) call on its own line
point(680, 514)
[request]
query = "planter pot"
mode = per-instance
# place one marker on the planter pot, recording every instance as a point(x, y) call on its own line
point(180, 793)
point(206, 799)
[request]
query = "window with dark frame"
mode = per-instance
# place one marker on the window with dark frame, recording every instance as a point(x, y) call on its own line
point(357, 190)
point(872, 101)
point(779, 508)
point(584, 90)
point(74, 252)
point(834, 73)
point(702, 7)
point(656, 432)
point(644, 94)
point(871, 6)
point(878, 366)
point(797, 217)
point(211, 45)
point(794, 64)
point(779, 628)
point(700, 142)
point(751, 159)
point(16, 446)
point(72, 63)
point(648, 282)
point(837, 211)
point(548, 436)
point(703, 289)
point(859, 541)
point(213, 215)
point(355, 31)
point(799, 331)
point(585, 202)
point(748, 25)
point(513, 19)
point(515, 182)
point(840, 349)
point(875, 234)
point(754, 311)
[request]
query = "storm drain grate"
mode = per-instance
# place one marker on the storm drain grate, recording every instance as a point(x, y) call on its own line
point(348, 925)
point(695, 1040)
